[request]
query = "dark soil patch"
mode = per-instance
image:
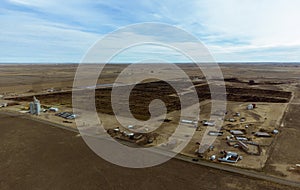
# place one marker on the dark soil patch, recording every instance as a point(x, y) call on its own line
point(142, 95)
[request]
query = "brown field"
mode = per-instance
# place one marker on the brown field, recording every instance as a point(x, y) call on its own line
point(144, 93)
point(286, 152)
point(275, 85)
point(38, 156)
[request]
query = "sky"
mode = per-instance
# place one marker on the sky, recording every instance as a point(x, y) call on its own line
point(55, 31)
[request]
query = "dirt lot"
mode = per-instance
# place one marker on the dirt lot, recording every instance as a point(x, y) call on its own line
point(37, 156)
point(263, 117)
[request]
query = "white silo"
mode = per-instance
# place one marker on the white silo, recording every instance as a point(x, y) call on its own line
point(35, 106)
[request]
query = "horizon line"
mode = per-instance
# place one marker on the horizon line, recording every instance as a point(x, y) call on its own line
point(116, 63)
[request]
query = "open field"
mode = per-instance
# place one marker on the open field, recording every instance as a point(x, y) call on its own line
point(38, 156)
point(22, 79)
point(286, 152)
point(272, 89)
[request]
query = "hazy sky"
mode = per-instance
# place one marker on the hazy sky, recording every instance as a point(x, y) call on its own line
point(233, 30)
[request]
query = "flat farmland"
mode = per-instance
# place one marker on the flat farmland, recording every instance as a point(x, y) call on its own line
point(37, 156)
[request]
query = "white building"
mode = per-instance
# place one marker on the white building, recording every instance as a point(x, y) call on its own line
point(3, 105)
point(250, 107)
point(53, 109)
point(209, 123)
